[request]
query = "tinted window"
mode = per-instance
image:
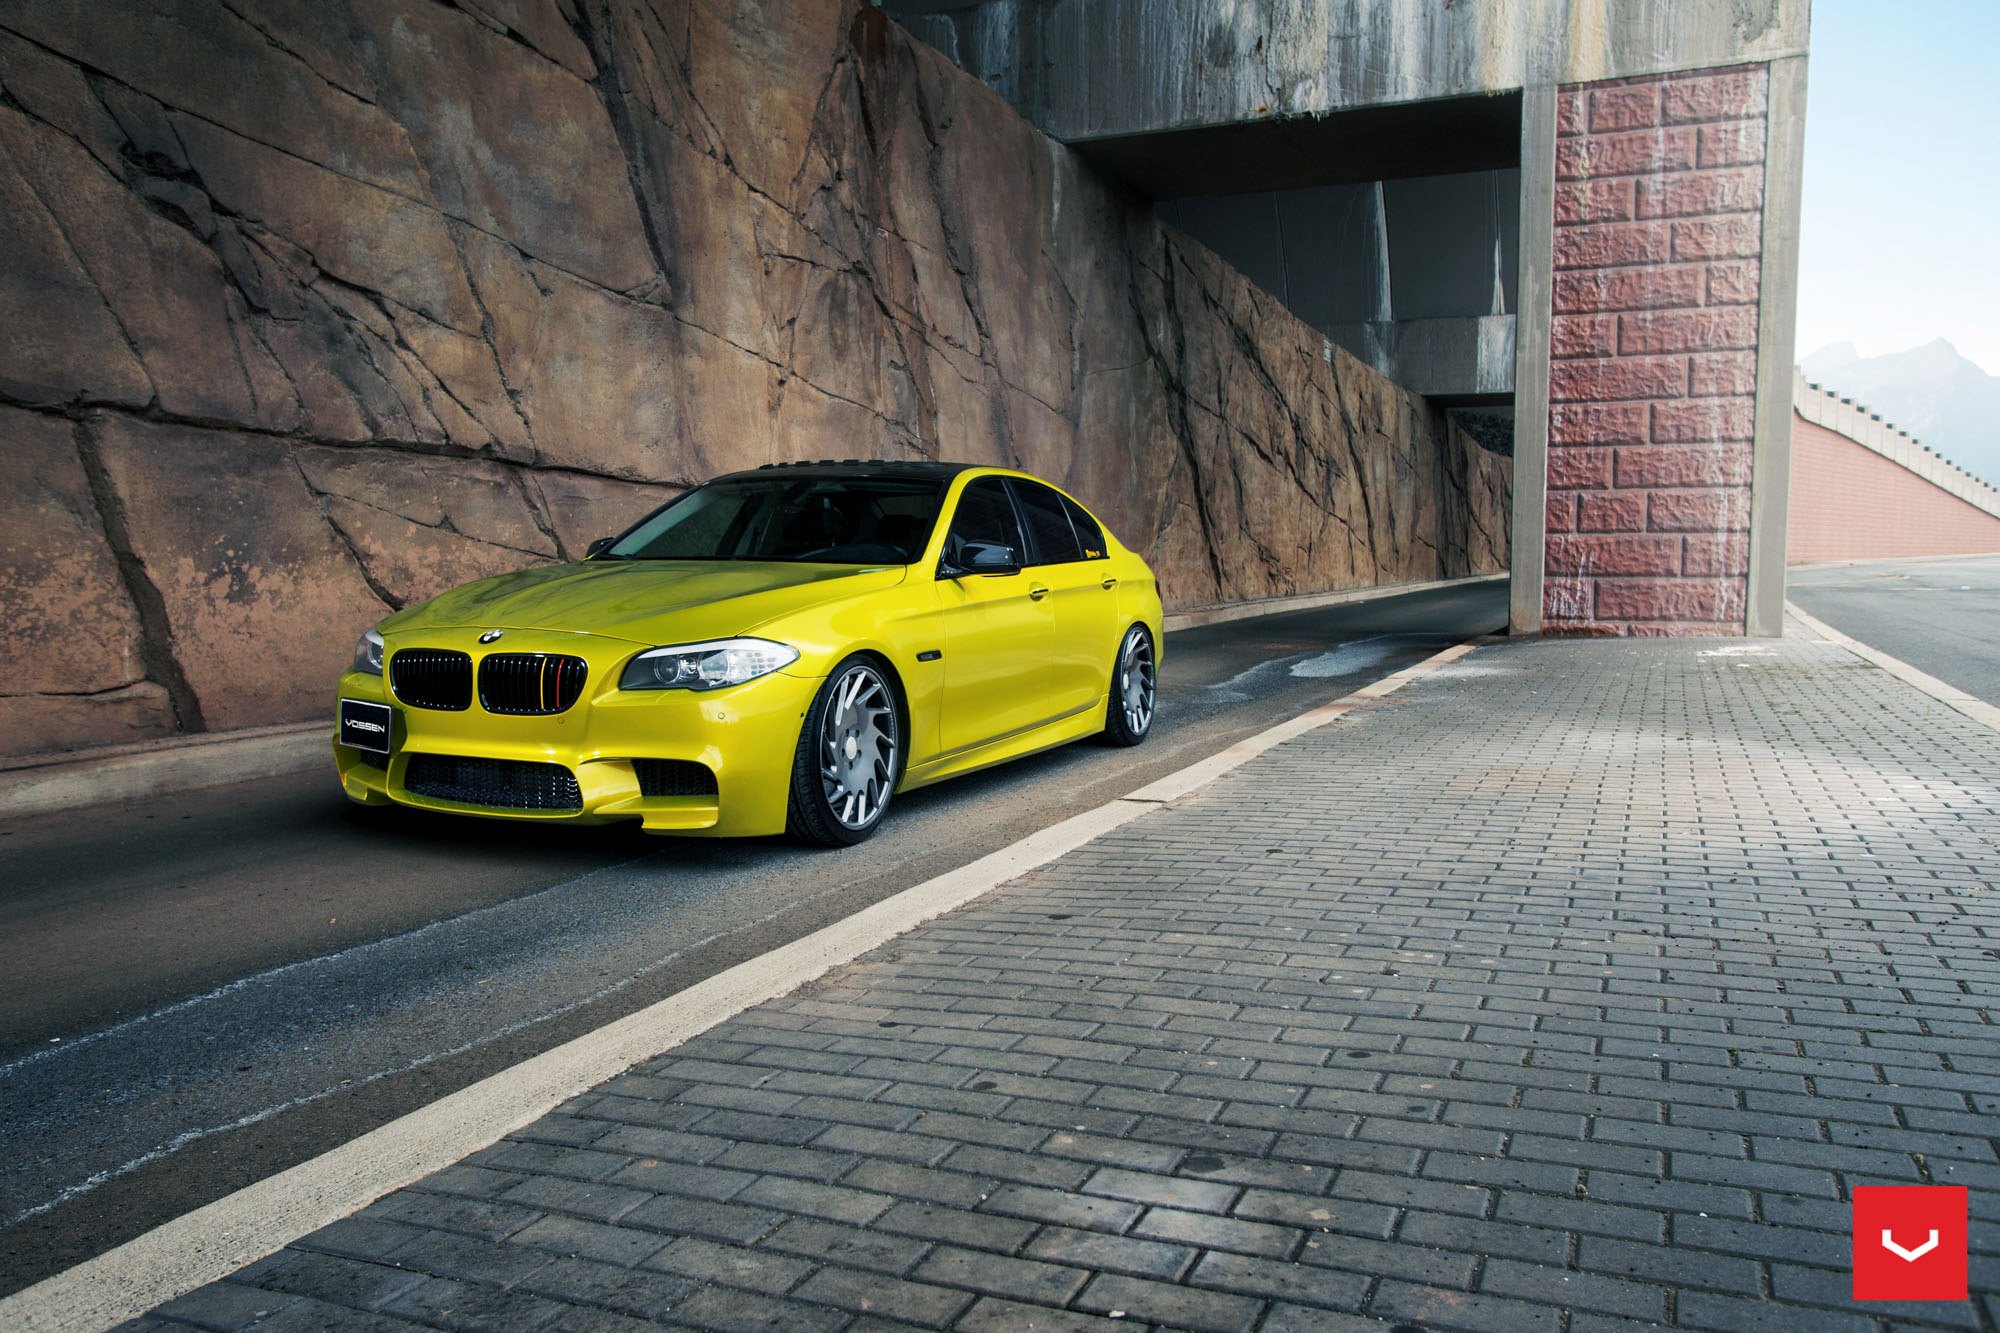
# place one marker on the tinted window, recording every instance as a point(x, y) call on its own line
point(985, 514)
point(1087, 530)
point(1049, 534)
point(825, 520)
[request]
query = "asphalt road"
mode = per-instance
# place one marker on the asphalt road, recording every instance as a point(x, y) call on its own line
point(1940, 616)
point(204, 989)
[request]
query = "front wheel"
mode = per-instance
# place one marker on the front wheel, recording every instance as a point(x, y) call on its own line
point(848, 758)
point(1128, 714)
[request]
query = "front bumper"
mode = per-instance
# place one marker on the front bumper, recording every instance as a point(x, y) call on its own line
point(746, 735)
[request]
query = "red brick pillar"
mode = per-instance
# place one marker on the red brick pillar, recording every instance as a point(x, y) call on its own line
point(1659, 202)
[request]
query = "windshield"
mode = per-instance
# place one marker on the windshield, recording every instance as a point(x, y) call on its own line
point(818, 520)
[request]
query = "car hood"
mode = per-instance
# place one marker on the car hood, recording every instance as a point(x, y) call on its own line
point(649, 602)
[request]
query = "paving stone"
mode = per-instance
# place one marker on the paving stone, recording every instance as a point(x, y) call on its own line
point(828, 1201)
point(1175, 1306)
point(729, 1310)
point(889, 1298)
point(701, 1182)
point(1099, 1252)
point(599, 1202)
point(1171, 1191)
point(998, 1275)
point(700, 1260)
point(856, 1247)
point(992, 1315)
point(612, 1286)
point(1061, 1207)
point(500, 1262)
point(370, 1238)
point(469, 1217)
point(1575, 1290)
point(590, 1240)
point(311, 1316)
point(1441, 1307)
point(957, 1225)
point(908, 1181)
point(337, 1281)
point(1400, 1258)
point(1218, 1233)
point(446, 1303)
point(224, 1305)
point(1276, 1279)
point(702, 1217)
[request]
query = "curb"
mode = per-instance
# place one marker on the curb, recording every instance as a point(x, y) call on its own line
point(136, 772)
point(1194, 617)
point(217, 1239)
point(39, 784)
point(1950, 695)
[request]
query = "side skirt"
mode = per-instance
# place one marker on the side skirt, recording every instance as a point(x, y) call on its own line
point(1084, 722)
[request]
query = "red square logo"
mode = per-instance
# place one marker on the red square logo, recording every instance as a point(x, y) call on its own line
point(1909, 1242)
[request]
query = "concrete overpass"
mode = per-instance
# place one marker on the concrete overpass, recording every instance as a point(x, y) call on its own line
point(1585, 210)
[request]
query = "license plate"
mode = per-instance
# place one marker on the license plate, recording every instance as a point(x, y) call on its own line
point(365, 726)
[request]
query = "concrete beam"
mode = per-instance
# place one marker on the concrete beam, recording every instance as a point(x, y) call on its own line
point(1091, 69)
point(1531, 359)
point(1777, 312)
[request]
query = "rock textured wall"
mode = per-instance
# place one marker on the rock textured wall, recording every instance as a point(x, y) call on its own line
point(317, 307)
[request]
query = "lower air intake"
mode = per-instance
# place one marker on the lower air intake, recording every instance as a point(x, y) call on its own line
point(674, 777)
point(497, 784)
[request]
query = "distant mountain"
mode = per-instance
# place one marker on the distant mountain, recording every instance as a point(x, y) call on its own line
point(1932, 392)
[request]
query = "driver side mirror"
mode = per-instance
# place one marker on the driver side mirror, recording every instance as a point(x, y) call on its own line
point(598, 547)
point(981, 558)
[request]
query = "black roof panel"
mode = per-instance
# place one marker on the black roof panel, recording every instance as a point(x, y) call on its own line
point(856, 467)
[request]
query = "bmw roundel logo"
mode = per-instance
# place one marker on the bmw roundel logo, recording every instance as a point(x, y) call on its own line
point(490, 635)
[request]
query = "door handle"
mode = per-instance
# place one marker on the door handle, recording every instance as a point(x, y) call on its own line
point(1037, 592)
point(1109, 584)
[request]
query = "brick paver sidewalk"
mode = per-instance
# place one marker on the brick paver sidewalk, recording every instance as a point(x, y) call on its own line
point(1578, 984)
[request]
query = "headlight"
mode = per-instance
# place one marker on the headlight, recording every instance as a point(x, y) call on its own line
point(368, 654)
point(705, 666)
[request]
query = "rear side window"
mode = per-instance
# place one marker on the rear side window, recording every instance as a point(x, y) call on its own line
point(985, 514)
point(1053, 541)
point(1087, 531)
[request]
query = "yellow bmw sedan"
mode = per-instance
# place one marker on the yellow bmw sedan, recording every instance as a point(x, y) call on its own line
point(776, 651)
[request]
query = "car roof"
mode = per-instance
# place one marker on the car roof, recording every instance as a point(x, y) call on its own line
point(858, 467)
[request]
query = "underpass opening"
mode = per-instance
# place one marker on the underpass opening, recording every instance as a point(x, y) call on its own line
point(1394, 231)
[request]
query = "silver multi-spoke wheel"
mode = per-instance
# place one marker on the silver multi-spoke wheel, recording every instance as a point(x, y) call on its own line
point(857, 747)
point(1128, 715)
point(1135, 680)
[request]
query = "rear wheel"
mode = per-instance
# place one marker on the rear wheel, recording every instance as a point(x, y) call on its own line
point(1128, 714)
point(849, 755)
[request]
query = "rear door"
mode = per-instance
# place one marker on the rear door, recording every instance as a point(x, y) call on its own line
point(1071, 567)
point(998, 637)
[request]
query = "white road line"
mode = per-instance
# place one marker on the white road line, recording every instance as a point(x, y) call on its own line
point(219, 1238)
point(1950, 695)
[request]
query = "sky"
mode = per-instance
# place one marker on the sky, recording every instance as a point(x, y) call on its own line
point(1899, 239)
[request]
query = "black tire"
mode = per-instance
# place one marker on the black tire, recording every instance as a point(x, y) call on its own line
point(1134, 692)
point(849, 756)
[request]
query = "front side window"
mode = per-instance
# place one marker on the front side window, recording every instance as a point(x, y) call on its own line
point(816, 520)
